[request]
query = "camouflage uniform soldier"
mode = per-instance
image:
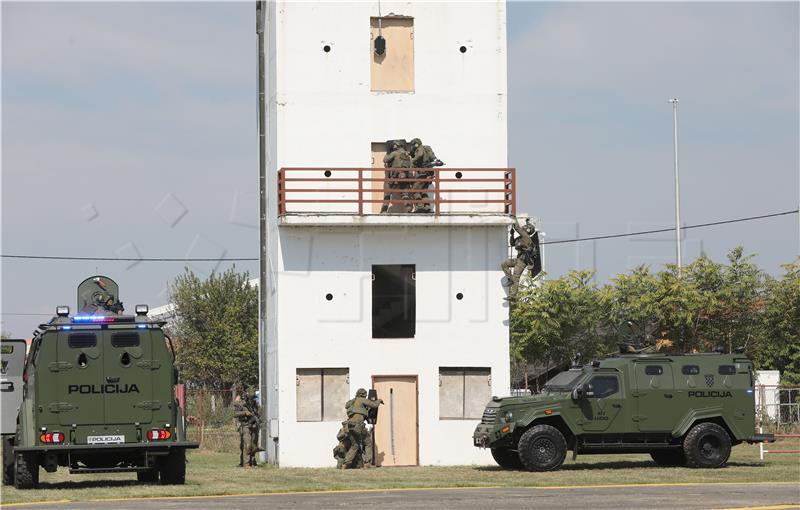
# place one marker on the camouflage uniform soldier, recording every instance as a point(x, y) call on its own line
point(527, 246)
point(245, 410)
point(399, 160)
point(422, 156)
point(360, 437)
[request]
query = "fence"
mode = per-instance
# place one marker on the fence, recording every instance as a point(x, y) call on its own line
point(365, 190)
point(778, 409)
point(210, 420)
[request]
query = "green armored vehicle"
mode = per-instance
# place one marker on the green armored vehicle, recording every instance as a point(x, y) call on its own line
point(99, 395)
point(681, 409)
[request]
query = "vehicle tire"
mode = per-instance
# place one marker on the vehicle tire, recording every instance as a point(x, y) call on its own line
point(173, 467)
point(542, 448)
point(8, 461)
point(149, 476)
point(26, 470)
point(669, 457)
point(707, 445)
point(505, 458)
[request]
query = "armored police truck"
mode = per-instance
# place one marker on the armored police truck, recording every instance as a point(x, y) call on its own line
point(681, 409)
point(99, 395)
point(13, 361)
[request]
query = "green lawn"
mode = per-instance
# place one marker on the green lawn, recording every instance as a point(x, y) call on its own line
point(217, 473)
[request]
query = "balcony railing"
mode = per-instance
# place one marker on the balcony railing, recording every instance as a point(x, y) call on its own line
point(361, 191)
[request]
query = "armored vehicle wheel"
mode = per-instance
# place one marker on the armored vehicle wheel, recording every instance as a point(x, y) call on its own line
point(149, 476)
point(506, 458)
point(26, 470)
point(8, 461)
point(669, 457)
point(542, 448)
point(707, 445)
point(173, 467)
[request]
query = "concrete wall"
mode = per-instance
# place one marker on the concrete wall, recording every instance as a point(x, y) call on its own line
point(316, 333)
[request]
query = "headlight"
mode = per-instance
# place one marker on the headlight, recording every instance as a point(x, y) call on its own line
point(508, 416)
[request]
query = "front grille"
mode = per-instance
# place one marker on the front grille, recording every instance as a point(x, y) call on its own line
point(489, 415)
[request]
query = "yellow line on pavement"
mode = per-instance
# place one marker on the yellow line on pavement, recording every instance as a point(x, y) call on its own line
point(3, 505)
point(773, 507)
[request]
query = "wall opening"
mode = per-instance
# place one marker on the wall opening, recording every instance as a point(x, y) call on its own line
point(394, 301)
point(393, 69)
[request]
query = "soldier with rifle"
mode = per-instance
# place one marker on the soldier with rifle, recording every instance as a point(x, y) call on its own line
point(422, 157)
point(527, 245)
point(398, 164)
point(360, 411)
point(248, 416)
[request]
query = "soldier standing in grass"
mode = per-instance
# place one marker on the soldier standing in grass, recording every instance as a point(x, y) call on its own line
point(360, 438)
point(245, 410)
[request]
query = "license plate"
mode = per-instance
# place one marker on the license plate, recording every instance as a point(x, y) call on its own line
point(115, 439)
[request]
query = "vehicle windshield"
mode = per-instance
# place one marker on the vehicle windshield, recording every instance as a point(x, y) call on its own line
point(564, 381)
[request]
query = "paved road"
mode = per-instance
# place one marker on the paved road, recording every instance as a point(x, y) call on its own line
point(708, 496)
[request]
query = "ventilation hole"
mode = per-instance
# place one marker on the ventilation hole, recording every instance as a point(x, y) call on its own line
point(327, 173)
point(329, 297)
point(125, 359)
point(459, 175)
point(463, 49)
point(82, 361)
point(326, 48)
point(459, 296)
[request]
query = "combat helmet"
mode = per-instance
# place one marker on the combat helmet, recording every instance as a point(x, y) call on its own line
point(361, 392)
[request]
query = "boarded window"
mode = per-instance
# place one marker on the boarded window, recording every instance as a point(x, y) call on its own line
point(393, 70)
point(82, 340)
point(464, 392)
point(322, 394)
point(394, 305)
point(125, 339)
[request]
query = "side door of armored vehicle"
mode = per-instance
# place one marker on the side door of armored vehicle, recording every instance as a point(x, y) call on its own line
point(78, 368)
point(603, 403)
point(656, 397)
point(129, 367)
point(13, 364)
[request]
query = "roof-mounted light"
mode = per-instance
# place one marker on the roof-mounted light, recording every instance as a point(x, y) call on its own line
point(62, 311)
point(93, 318)
point(142, 309)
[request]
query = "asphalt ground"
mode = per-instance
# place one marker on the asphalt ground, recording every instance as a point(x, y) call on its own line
point(765, 496)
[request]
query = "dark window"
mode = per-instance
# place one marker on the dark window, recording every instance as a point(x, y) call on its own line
point(604, 385)
point(690, 369)
point(81, 340)
point(653, 370)
point(394, 304)
point(125, 339)
point(8, 348)
point(727, 369)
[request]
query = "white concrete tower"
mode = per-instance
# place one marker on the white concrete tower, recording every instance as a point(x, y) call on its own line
point(409, 304)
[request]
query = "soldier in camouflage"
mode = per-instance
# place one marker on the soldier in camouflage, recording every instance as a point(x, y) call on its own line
point(527, 246)
point(358, 434)
point(398, 161)
point(423, 158)
point(245, 410)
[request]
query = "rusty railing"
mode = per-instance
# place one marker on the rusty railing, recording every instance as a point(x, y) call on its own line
point(372, 191)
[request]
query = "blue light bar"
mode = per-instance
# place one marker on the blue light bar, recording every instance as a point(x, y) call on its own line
point(66, 327)
point(92, 318)
point(141, 326)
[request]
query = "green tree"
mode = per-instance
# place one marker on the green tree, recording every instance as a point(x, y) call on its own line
point(778, 347)
point(631, 306)
point(216, 329)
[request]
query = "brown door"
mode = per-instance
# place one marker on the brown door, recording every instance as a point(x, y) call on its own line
point(378, 152)
point(396, 432)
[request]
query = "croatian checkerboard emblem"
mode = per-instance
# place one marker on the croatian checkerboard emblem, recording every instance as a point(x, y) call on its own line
point(709, 380)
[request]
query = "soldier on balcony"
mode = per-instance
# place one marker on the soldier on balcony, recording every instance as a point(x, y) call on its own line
point(398, 160)
point(424, 160)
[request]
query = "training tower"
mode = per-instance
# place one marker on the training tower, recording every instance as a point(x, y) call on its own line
point(410, 304)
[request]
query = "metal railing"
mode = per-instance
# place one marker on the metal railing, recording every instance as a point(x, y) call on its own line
point(374, 191)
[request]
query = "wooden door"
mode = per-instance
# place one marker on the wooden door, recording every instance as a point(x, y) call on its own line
point(378, 152)
point(396, 434)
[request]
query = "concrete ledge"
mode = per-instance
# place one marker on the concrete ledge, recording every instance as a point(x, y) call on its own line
point(367, 220)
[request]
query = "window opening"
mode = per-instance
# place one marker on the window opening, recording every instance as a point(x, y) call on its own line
point(125, 339)
point(82, 340)
point(463, 392)
point(393, 301)
point(604, 385)
point(727, 370)
point(653, 370)
point(690, 369)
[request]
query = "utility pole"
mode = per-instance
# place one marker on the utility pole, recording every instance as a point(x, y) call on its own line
point(674, 102)
point(261, 9)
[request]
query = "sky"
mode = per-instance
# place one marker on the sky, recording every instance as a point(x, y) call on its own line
point(129, 130)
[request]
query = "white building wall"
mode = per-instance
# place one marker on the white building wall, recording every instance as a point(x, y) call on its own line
point(316, 333)
point(321, 113)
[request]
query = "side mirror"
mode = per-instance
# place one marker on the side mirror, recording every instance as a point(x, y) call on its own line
point(577, 392)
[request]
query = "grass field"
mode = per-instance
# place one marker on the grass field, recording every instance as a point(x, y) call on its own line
point(217, 473)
